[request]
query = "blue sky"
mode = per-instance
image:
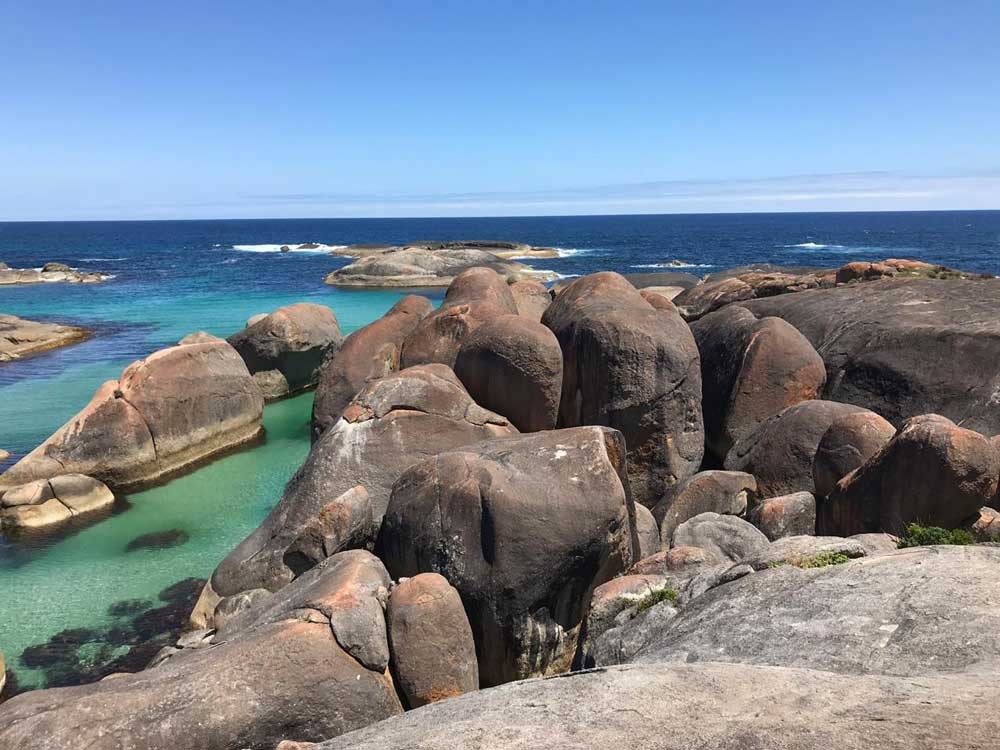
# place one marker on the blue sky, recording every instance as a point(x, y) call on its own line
point(119, 110)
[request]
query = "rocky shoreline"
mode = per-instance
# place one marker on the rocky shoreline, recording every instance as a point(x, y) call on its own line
point(21, 338)
point(48, 274)
point(678, 495)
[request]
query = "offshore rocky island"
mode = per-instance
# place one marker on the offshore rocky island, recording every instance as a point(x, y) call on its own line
point(766, 497)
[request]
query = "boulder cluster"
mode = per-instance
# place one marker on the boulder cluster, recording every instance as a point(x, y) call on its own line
point(49, 273)
point(524, 484)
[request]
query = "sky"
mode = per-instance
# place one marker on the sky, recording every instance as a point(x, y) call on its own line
point(146, 110)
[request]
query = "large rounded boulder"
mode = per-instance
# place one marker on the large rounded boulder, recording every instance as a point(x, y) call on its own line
point(751, 369)
point(525, 528)
point(474, 297)
point(513, 366)
point(632, 367)
point(846, 445)
point(178, 407)
point(391, 424)
point(370, 352)
point(713, 491)
point(284, 350)
point(532, 299)
point(932, 472)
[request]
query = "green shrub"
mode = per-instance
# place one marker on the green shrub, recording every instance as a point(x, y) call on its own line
point(822, 560)
point(655, 597)
point(922, 536)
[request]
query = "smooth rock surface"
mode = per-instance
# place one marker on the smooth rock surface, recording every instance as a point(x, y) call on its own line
point(532, 299)
point(785, 515)
point(847, 444)
point(713, 491)
point(20, 337)
point(722, 537)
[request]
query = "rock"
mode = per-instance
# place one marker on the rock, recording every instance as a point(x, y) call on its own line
point(158, 540)
point(475, 296)
point(725, 492)
point(178, 407)
point(704, 298)
point(199, 337)
point(54, 267)
point(661, 301)
point(293, 340)
point(391, 424)
point(532, 299)
point(230, 606)
point(779, 453)
point(273, 384)
point(846, 445)
point(524, 527)
point(862, 271)
point(433, 654)
point(683, 562)
point(785, 515)
point(370, 352)
point(46, 502)
point(932, 472)
point(20, 337)
point(876, 544)
point(611, 708)
point(254, 319)
point(986, 527)
point(4, 455)
point(513, 366)
point(346, 522)
point(416, 266)
point(808, 551)
point(647, 531)
point(915, 612)
point(905, 346)
point(49, 273)
point(629, 366)
point(751, 369)
point(722, 537)
point(663, 280)
point(248, 692)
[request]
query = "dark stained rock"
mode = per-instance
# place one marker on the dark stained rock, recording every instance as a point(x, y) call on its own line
point(724, 538)
point(370, 352)
point(711, 295)
point(780, 452)
point(932, 472)
point(713, 491)
point(393, 423)
point(632, 367)
point(701, 706)
point(905, 347)
point(474, 297)
point(647, 532)
point(785, 515)
point(292, 341)
point(346, 522)
point(751, 369)
point(158, 540)
point(524, 527)
point(513, 366)
point(433, 654)
point(850, 441)
point(531, 298)
point(175, 408)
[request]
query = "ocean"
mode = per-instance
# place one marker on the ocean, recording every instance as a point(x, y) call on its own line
point(175, 277)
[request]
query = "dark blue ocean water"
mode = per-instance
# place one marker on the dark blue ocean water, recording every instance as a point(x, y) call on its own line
point(174, 277)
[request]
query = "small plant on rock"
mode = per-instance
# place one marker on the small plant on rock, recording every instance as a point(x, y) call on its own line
point(822, 560)
point(922, 536)
point(654, 597)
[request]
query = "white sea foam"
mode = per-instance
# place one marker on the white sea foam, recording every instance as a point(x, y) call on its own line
point(562, 252)
point(228, 261)
point(549, 271)
point(673, 265)
point(100, 260)
point(852, 249)
point(817, 246)
point(293, 247)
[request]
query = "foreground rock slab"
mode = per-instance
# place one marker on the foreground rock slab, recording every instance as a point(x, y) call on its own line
point(679, 707)
point(20, 337)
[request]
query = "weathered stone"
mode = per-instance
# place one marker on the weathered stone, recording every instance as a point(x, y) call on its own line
point(293, 340)
point(175, 408)
point(524, 527)
point(346, 522)
point(785, 515)
point(513, 366)
point(46, 502)
point(986, 527)
point(850, 441)
point(779, 453)
point(49, 273)
point(370, 352)
point(474, 297)
point(531, 298)
point(20, 337)
point(725, 492)
point(722, 537)
point(683, 561)
point(658, 300)
point(433, 654)
point(647, 532)
point(702, 299)
point(751, 369)
point(804, 550)
point(632, 367)
point(393, 423)
point(230, 606)
point(876, 544)
point(932, 472)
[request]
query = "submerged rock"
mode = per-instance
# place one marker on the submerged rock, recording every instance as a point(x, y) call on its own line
point(158, 540)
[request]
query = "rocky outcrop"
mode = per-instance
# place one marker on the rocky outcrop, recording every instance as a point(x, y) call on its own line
point(309, 663)
point(179, 406)
point(713, 491)
point(932, 472)
point(525, 528)
point(785, 515)
point(20, 337)
point(513, 366)
point(49, 502)
point(634, 368)
point(425, 266)
point(499, 248)
point(751, 369)
point(433, 654)
point(49, 273)
point(904, 347)
point(370, 352)
point(284, 350)
point(476, 296)
point(532, 299)
point(391, 424)
point(850, 441)
point(780, 452)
